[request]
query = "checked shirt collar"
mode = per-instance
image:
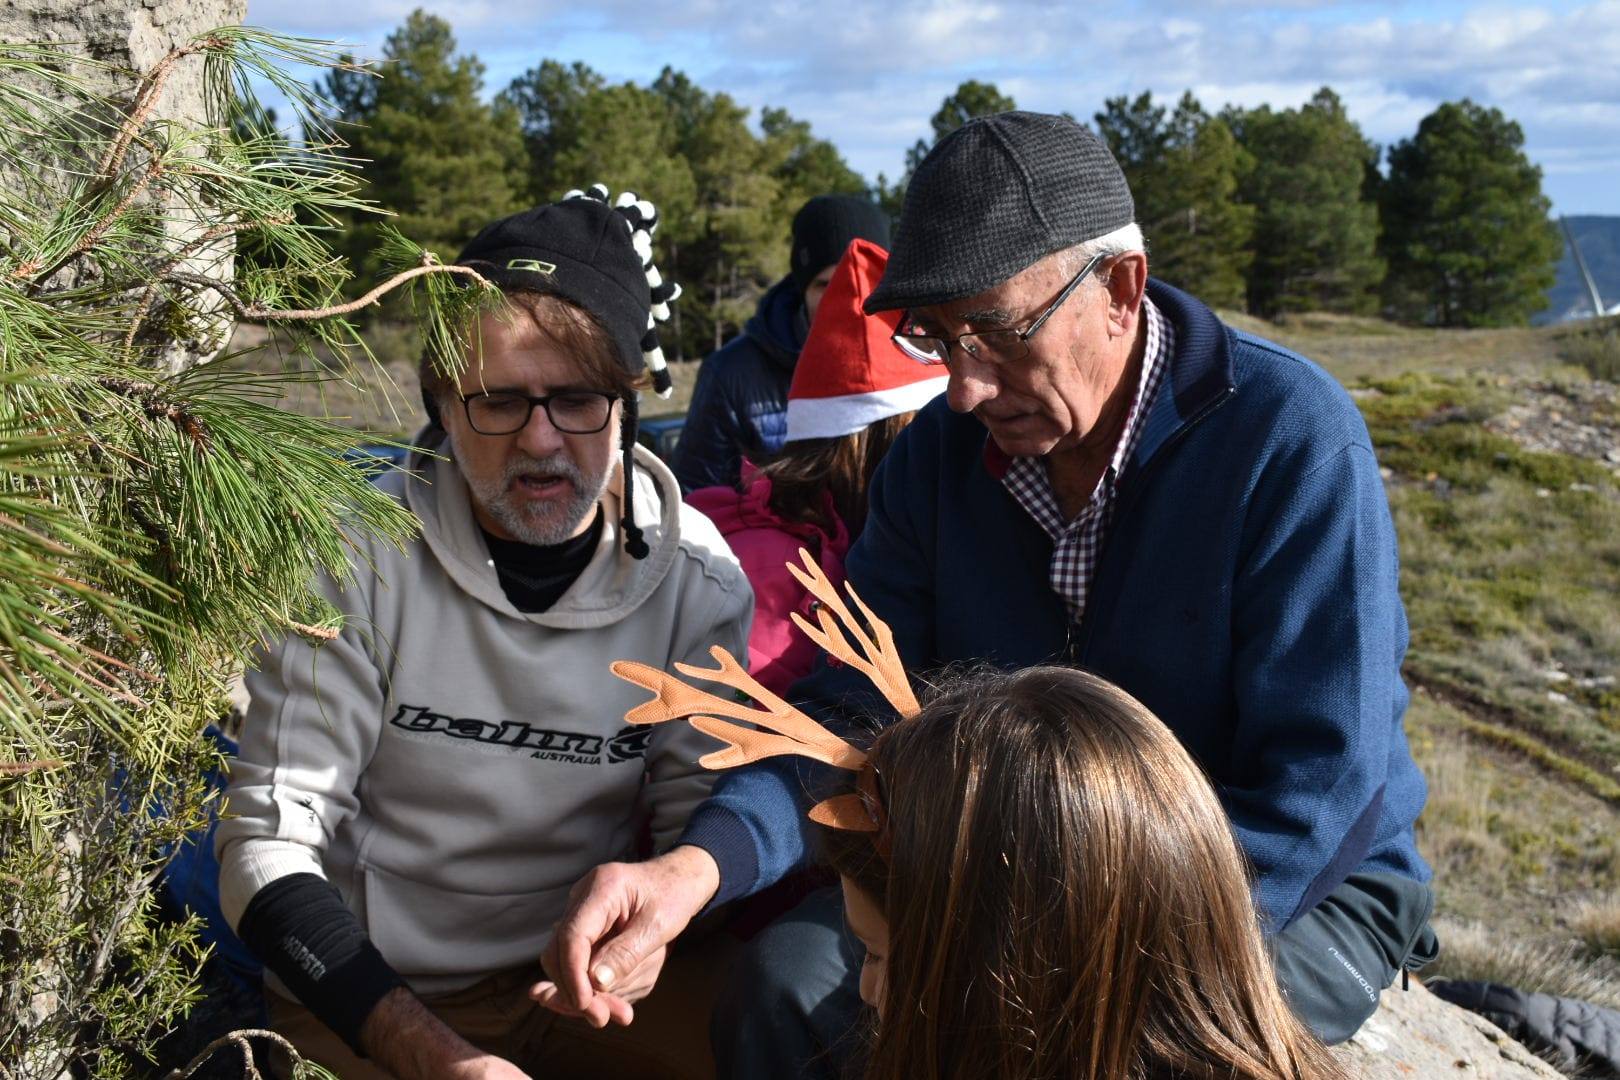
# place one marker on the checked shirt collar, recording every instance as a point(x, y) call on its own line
point(1076, 544)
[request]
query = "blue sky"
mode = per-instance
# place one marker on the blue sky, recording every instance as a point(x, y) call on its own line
point(868, 76)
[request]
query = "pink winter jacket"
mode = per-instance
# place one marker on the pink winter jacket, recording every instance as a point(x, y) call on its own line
point(764, 543)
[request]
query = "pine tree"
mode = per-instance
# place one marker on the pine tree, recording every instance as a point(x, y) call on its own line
point(1466, 230)
point(546, 101)
point(1316, 231)
point(1184, 173)
point(433, 153)
point(739, 249)
point(1135, 132)
point(803, 164)
point(158, 516)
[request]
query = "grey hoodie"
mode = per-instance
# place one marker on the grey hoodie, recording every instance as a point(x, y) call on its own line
point(453, 765)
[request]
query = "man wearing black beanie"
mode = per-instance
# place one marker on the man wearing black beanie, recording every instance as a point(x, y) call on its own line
point(415, 797)
point(739, 407)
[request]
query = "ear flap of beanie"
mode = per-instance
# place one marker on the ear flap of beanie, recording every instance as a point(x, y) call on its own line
point(431, 408)
point(635, 544)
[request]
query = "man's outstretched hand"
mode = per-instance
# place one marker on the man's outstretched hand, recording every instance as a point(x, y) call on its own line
point(608, 950)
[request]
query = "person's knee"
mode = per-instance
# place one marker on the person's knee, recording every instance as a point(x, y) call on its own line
point(1336, 959)
point(792, 965)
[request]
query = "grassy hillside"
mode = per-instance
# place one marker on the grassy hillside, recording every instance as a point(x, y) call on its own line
point(1511, 573)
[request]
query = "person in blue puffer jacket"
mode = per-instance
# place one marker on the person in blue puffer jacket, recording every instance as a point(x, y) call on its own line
point(739, 407)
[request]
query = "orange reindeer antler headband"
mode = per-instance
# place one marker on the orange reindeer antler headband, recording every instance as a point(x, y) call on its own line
point(786, 729)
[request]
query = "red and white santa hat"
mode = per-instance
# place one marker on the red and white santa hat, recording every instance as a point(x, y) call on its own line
point(850, 372)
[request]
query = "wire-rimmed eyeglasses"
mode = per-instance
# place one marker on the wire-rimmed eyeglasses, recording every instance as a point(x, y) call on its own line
point(988, 346)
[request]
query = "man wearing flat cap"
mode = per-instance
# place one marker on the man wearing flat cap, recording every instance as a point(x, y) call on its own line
point(1117, 480)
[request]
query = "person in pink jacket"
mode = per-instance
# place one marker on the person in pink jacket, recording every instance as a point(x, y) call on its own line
point(853, 392)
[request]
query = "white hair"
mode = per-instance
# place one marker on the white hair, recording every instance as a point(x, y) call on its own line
point(1123, 239)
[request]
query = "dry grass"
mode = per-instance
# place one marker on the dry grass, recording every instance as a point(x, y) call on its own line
point(1510, 562)
point(1526, 866)
point(1593, 345)
point(1473, 951)
point(1498, 825)
point(386, 399)
point(1354, 347)
point(1597, 923)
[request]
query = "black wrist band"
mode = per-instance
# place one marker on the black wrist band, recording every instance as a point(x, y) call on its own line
point(301, 929)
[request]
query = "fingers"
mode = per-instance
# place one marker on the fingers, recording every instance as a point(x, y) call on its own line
point(598, 903)
point(617, 961)
point(604, 1008)
point(640, 982)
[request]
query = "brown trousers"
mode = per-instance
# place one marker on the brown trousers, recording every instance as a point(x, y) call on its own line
point(668, 1040)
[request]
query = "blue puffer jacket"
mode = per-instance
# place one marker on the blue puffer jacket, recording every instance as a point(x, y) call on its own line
point(739, 408)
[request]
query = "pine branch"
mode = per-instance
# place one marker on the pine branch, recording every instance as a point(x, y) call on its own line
point(259, 313)
point(146, 99)
point(176, 412)
point(238, 1039)
point(20, 768)
point(217, 232)
point(95, 232)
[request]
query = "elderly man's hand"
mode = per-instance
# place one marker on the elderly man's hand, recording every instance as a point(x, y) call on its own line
point(605, 1008)
point(609, 947)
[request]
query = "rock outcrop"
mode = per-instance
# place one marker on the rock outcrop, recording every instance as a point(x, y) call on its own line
point(1415, 1036)
point(130, 34)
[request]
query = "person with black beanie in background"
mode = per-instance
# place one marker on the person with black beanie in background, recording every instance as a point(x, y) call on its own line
point(739, 407)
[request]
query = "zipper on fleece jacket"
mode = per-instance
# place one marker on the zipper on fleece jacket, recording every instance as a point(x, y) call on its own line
point(1076, 645)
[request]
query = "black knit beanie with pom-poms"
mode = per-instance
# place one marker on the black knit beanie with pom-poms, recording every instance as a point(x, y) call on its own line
point(598, 256)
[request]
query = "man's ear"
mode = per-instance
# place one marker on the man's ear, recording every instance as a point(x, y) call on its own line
point(1126, 282)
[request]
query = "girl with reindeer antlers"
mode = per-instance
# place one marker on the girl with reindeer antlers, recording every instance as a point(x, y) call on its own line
point(1043, 880)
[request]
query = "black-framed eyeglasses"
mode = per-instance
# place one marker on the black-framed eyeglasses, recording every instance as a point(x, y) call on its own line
point(988, 346)
point(573, 412)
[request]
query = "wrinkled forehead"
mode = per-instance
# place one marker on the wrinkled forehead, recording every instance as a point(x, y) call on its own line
point(508, 346)
point(1006, 304)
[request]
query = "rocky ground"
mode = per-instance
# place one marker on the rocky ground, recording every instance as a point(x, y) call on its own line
point(1579, 418)
point(1415, 1034)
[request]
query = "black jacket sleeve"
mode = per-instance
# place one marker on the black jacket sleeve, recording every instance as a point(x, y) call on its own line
point(1578, 1034)
point(709, 452)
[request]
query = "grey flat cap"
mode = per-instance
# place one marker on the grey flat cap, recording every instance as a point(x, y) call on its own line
point(994, 196)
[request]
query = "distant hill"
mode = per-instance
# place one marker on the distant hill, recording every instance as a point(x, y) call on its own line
point(1599, 237)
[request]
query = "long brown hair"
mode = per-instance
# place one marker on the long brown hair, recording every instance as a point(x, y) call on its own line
point(1065, 898)
point(809, 472)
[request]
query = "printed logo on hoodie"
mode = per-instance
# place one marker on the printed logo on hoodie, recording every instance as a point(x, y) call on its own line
point(545, 744)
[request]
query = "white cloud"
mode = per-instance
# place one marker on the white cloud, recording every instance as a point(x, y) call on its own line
point(868, 76)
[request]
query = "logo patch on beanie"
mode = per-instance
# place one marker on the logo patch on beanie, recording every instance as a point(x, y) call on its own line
point(535, 265)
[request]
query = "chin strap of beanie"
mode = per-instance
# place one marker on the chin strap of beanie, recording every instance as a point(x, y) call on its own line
point(635, 545)
point(641, 220)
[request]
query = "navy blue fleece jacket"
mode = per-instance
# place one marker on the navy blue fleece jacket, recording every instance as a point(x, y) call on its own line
point(1246, 593)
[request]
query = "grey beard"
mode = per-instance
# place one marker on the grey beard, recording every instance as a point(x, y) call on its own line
point(540, 524)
